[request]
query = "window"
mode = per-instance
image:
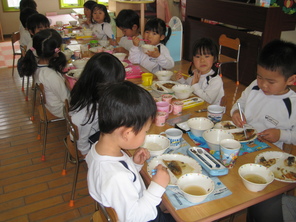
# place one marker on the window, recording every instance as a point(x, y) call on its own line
point(78, 3)
point(10, 5)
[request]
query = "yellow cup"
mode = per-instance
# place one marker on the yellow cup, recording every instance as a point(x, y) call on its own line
point(147, 79)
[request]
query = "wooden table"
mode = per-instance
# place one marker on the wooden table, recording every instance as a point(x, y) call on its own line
point(65, 18)
point(240, 198)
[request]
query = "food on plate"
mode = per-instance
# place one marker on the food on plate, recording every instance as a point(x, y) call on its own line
point(178, 168)
point(70, 74)
point(168, 85)
point(159, 87)
point(229, 125)
point(290, 161)
point(267, 163)
point(240, 136)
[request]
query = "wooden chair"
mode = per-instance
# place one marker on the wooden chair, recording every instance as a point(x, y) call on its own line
point(72, 153)
point(224, 58)
point(15, 37)
point(104, 214)
point(45, 116)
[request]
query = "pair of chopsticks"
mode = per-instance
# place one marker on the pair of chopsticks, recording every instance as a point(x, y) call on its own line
point(241, 116)
point(183, 74)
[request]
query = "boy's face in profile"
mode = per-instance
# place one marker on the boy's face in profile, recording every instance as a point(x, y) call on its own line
point(273, 82)
point(130, 32)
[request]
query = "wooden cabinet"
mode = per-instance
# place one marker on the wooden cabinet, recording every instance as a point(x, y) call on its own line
point(242, 18)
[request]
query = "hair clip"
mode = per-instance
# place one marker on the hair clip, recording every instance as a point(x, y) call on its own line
point(217, 64)
point(32, 49)
point(57, 50)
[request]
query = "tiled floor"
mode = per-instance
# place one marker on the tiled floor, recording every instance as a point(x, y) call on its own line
point(6, 54)
point(32, 190)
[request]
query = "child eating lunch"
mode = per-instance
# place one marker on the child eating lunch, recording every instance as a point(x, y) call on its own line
point(268, 104)
point(125, 115)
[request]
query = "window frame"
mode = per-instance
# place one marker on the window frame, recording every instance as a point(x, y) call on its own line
point(6, 8)
point(78, 5)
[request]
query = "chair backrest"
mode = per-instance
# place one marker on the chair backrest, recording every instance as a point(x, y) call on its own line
point(14, 38)
point(234, 44)
point(104, 214)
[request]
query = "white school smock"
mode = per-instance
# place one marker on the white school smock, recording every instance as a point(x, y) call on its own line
point(113, 185)
point(55, 89)
point(210, 90)
point(127, 43)
point(103, 30)
point(269, 111)
point(85, 130)
point(164, 61)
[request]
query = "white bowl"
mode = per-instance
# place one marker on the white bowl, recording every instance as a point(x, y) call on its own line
point(68, 53)
point(80, 63)
point(252, 171)
point(120, 56)
point(199, 124)
point(104, 43)
point(182, 91)
point(73, 22)
point(164, 75)
point(147, 47)
point(195, 186)
point(75, 73)
point(214, 136)
point(156, 144)
point(87, 32)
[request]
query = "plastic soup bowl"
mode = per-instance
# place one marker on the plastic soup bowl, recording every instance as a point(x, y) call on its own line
point(156, 144)
point(164, 75)
point(147, 47)
point(255, 176)
point(199, 124)
point(182, 91)
point(195, 186)
point(104, 43)
point(120, 56)
point(214, 136)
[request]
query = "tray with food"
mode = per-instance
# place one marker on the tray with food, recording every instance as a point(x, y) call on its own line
point(207, 161)
point(163, 86)
point(282, 165)
point(177, 165)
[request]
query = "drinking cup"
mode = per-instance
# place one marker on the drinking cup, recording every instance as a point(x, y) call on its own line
point(160, 118)
point(215, 113)
point(167, 98)
point(177, 107)
point(163, 106)
point(229, 149)
point(175, 136)
point(84, 50)
point(66, 31)
point(77, 54)
point(147, 79)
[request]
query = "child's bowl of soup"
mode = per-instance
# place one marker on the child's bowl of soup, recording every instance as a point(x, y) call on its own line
point(195, 186)
point(147, 47)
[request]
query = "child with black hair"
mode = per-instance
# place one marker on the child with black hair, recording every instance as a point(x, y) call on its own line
point(204, 78)
point(46, 62)
point(128, 21)
point(268, 104)
point(36, 23)
point(27, 4)
point(101, 22)
point(25, 36)
point(87, 7)
point(100, 69)
point(125, 115)
point(155, 33)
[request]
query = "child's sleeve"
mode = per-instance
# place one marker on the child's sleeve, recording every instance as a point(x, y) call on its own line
point(134, 55)
point(165, 60)
point(108, 30)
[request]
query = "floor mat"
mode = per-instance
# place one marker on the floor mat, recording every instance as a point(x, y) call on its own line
point(6, 57)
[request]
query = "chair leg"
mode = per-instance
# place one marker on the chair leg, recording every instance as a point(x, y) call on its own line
point(64, 171)
point(27, 92)
point(44, 141)
point(33, 104)
point(23, 83)
point(71, 203)
point(13, 61)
